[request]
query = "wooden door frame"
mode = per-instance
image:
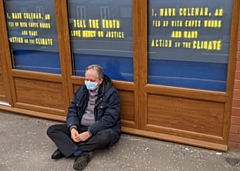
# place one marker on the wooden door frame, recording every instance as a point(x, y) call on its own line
point(12, 74)
point(3, 49)
point(139, 88)
point(226, 98)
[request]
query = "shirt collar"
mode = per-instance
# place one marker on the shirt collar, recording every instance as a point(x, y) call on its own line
point(91, 93)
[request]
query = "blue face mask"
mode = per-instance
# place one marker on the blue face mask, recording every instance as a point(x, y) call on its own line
point(91, 85)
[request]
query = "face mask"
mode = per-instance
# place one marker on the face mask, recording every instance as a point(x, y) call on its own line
point(91, 85)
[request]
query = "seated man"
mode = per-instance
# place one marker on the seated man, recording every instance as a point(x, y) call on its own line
point(92, 122)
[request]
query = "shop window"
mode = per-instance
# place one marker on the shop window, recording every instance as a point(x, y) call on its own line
point(39, 9)
point(188, 43)
point(126, 12)
point(33, 35)
point(81, 12)
point(105, 13)
point(103, 37)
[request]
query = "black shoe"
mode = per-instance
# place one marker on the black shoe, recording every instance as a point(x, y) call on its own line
point(82, 160)
point(57, 154)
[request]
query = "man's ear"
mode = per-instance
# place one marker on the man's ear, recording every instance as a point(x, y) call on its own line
point(101, 80)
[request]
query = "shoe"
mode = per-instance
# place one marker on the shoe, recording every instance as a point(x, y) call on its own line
point(82, 160)
point(57, 155)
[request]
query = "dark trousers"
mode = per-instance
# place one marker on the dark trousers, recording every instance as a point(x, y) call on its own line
point(61, 136)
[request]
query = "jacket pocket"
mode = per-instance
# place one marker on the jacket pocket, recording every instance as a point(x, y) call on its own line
point(101, 108)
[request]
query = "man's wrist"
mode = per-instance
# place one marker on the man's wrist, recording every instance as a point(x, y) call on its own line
point(89, 133)
point(73, 127)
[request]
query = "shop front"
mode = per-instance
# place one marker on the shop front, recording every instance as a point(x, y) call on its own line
point(173, 62)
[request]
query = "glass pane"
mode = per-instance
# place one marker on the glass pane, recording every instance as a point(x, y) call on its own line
point(188, 43)
point(33, 35)
point(101, 33)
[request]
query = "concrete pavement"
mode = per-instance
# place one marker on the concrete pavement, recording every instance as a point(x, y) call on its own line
point(26, 147)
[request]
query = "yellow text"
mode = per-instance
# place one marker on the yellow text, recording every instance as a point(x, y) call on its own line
point(193, 12)
point(207, 45)
point(167, 12)
point(162, 43)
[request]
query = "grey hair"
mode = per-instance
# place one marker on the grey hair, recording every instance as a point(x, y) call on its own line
point(98, 68)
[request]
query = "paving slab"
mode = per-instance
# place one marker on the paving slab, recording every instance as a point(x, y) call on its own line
point(26, 147)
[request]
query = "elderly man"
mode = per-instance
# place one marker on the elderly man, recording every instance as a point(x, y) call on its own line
point(93, 120)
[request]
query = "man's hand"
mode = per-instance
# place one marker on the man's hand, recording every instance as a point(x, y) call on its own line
point(74, 135)
point(83, 136)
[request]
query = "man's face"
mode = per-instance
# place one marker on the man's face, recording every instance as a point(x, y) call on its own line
point(92, 76)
